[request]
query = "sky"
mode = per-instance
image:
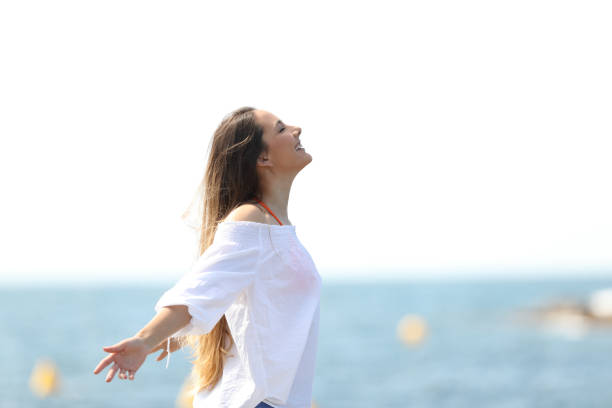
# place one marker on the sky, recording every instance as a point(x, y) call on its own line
point(448, 138)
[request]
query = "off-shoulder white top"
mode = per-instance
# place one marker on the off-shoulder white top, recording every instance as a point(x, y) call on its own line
point(267, 285)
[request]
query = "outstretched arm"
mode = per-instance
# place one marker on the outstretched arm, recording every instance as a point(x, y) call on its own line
point(129, 354)
point(169, 320)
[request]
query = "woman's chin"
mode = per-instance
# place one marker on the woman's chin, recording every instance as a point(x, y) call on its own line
point(306, 160)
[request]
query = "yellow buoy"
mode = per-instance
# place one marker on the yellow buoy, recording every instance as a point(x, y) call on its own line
point(44, 380)
point(411, 329)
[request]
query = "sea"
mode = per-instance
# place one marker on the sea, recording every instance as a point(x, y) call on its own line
point(472, 351)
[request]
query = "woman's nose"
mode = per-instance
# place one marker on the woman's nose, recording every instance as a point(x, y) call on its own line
point(299, 130)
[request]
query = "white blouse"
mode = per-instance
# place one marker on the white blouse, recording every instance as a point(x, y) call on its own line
point(267, 285)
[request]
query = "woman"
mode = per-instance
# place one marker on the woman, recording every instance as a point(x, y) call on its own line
point(249, 306)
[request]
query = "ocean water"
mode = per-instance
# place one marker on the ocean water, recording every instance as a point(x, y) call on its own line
point(473, 355)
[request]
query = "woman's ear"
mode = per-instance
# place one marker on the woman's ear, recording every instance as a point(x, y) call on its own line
point(263, 160)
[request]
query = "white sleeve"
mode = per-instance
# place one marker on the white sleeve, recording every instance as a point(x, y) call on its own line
point(218, 276)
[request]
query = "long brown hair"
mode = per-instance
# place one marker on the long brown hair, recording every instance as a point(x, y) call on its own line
point(230, 180)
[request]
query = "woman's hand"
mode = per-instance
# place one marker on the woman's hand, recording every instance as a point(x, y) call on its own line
point(127, 356)
point(174, 345)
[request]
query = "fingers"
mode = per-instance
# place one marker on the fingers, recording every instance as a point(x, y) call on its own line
point(116, 348)
point(111, 372)
point(105, 361)
point(162, 355)
point(125, 374)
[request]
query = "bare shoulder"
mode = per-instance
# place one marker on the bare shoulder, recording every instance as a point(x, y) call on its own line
point(247, 212)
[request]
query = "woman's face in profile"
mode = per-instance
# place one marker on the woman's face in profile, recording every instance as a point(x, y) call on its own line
point(283, 140)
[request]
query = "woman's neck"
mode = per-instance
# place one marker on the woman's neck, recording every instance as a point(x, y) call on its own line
point(277, 203)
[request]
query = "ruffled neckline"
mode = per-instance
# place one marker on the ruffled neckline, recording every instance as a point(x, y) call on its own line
point(257, 224)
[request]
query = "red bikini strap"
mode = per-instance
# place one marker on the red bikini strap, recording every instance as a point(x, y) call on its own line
point(269, 210)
